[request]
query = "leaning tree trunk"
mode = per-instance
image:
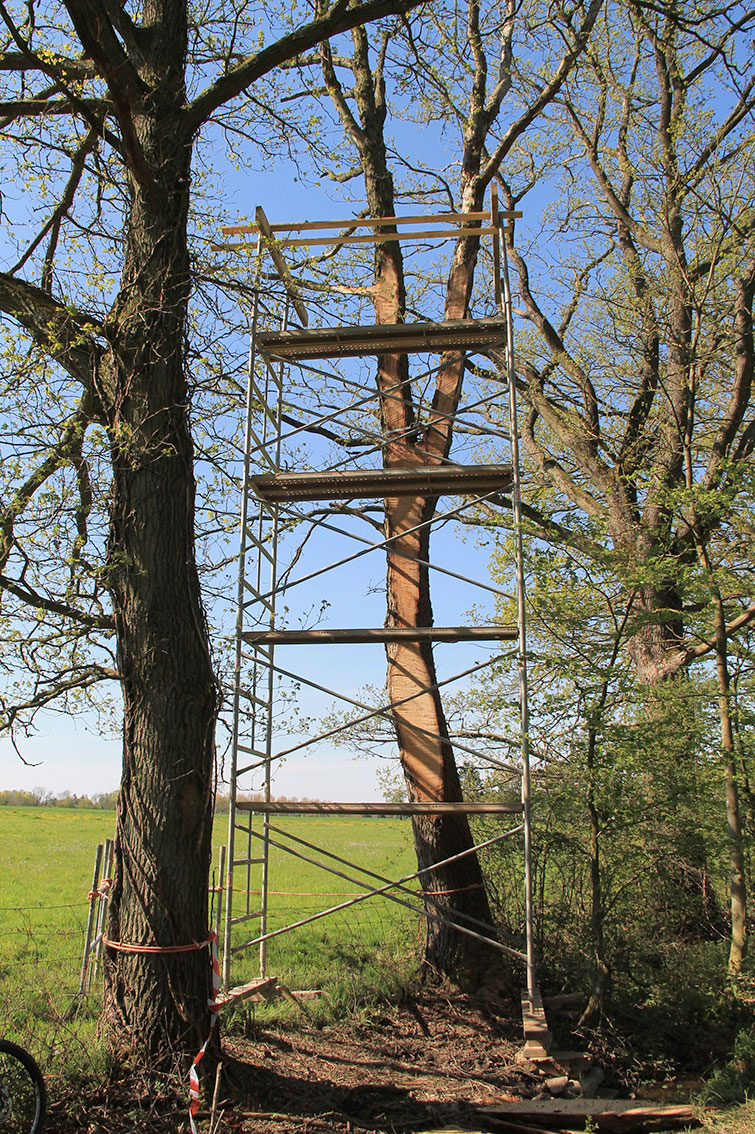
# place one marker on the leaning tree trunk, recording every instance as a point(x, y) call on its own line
point(426, 752)
point(427, 755)
point(158, 1002)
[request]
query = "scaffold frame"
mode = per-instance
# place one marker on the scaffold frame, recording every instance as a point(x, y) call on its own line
point(268, 492)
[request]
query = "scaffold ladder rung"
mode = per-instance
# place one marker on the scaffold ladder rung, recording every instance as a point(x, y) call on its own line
point(257, 596)
point(249, 751)
point(258, 654)
point(260, 548)
point(260, 449)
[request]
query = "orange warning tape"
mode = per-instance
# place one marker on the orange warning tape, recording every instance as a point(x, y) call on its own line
point(124, 947)
point(212, 1003)
point(102, 890)
point(458, 890)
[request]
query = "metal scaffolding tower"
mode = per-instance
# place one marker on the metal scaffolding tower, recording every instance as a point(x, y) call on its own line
point(281, 503)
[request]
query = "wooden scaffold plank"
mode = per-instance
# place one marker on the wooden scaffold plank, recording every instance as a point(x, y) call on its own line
point(372, 339)
point(330, 808)
point(436, 480)
point(261, 988)
point(381, 634)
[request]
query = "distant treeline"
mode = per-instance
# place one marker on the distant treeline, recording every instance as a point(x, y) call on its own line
point(221, 801)
point(40, 797)
point(106, 800)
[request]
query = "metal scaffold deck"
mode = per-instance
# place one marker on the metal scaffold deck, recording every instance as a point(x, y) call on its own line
point(315, 498)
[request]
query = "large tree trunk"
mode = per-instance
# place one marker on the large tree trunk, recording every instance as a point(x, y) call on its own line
point(426, 754)
point(162, 845)
point(658, 633)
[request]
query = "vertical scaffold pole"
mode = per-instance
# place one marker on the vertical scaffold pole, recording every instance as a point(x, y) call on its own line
point(265, 883)
point(503, 293)
point(231, 841)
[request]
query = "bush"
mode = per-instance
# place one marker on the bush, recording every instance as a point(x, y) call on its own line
point(735, 1081)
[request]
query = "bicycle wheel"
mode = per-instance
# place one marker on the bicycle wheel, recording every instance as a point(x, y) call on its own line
point(22, 1091)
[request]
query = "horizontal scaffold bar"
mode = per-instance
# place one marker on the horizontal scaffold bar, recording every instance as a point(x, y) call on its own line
point(395, 338)
point(309, 808)
point(436, 480)
point(382, 634)
point(352, 223)
point(388, 237)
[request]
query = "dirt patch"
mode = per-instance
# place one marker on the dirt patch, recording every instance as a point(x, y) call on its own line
point(427, 1061)
point(424, 1063)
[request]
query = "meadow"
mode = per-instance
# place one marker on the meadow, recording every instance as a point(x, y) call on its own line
point(46, 859)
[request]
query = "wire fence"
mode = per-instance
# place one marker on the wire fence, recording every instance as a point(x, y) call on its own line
point(40, 970)
point(350, 957)
point(51, 978)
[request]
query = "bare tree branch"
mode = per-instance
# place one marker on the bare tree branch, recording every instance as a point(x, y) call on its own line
point(65, 333)
point(338, 18)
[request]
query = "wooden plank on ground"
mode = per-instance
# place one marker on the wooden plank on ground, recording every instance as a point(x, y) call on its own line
point(606, 1114)
point(262, 988)
point(537, 1037)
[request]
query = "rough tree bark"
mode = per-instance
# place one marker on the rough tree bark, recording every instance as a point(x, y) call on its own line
point(162, 844)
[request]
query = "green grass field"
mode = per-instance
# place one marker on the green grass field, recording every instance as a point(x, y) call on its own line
point(47, 855)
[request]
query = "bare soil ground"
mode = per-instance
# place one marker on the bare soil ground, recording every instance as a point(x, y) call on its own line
point(422, 1064)
point(427, 1061)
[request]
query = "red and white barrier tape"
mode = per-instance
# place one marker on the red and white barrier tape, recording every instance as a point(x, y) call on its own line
point(212, 1003)
point(102, 891)
point(214, 1007)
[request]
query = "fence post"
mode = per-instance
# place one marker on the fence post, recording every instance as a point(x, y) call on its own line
point(107, 870)
point(93, 903)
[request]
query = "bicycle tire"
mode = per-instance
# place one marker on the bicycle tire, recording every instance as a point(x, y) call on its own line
point(23, 1098)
